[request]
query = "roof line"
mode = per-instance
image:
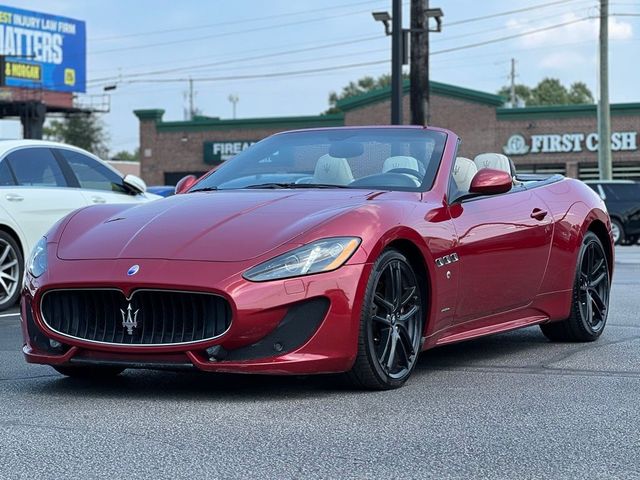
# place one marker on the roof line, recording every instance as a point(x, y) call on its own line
point(437, 88)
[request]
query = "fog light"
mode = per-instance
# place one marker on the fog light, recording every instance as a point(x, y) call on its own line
point(55, 344)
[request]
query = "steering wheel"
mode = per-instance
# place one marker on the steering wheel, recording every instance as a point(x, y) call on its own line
point(408, 171)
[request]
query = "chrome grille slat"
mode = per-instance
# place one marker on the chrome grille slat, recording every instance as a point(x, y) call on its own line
point(165, 317)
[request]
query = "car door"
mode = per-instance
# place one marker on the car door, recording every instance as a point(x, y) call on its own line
point(98, 182)
point(503, 246)
point(40, 194)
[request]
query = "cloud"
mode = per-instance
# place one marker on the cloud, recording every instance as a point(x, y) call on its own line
point(579, 31)
point(561, 55)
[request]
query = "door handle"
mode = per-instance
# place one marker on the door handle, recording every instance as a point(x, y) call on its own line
point(14, 197)
point(98, 200)
point(538, 214)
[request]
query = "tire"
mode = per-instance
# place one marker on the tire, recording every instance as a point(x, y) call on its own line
point(11, 271)
point(391, 324)
point(590, 299)
point(617, 231)
point(96, 373)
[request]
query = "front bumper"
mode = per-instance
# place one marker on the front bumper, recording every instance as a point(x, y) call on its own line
point(298, 326)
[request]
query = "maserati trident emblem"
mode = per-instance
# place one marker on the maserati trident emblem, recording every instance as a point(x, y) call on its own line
point(129, 321)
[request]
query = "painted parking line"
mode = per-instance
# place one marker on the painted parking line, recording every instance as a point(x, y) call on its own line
point(9, 314)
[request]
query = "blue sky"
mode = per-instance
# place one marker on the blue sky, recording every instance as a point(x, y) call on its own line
point(255, 37)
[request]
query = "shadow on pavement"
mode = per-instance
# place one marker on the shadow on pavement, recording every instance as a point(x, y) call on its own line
point(229, 387)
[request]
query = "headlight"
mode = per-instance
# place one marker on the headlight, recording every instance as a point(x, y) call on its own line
point(321, 256)
point(37, 263)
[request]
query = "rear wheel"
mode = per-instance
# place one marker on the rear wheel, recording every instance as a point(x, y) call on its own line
point(590, 303)
point(617, 231)
point(11, 269)
point(89, 372)
point(390, 325)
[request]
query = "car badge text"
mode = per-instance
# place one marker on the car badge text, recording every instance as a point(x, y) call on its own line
point(129, 321)
point(133, 270)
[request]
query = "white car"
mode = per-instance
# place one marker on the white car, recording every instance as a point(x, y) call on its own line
point(41, 182)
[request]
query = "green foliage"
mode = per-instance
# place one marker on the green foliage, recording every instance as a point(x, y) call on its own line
point(363, 85)
point(523, 93)
point(551, 92)
point(82, 130)
point(127, 156)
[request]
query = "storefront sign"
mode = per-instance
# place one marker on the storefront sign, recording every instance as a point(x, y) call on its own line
point(218, 152)
point(568, 142)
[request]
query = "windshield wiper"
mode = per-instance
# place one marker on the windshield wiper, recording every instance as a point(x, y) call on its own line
point(295, 185)
point(204, 189)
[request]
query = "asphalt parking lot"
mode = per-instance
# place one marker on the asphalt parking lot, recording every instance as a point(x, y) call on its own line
point(508, 406)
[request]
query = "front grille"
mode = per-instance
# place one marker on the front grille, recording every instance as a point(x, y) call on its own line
point(150, 317)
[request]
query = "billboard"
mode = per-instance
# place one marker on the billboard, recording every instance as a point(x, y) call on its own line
point(43, 51)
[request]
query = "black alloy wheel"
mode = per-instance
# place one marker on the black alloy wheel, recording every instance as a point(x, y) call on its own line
point(590, 302)
point(391, 325)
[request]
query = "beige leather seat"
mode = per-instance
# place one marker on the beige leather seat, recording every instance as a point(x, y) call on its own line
point(333, 171)
point(402, 161)
point(496, 161)
point(463, 171)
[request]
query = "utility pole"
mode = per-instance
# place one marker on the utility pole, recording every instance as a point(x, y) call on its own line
point(513, 83)
point(419, 74)
point(604, 117)
point(191, 108)
point(396, 63)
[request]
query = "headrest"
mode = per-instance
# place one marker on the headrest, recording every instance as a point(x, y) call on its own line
point(463, 172)
point(400, 161)
point(496, 161)
point(332, 170)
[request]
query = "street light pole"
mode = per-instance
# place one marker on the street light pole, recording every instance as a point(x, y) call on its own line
point(396, 63)
point(604, 117)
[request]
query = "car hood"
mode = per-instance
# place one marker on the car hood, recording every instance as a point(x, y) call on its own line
point(208, 226)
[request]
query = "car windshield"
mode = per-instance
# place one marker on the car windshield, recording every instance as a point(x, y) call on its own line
point(387, 159)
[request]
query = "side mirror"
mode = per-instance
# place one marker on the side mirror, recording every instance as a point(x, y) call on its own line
point(135, 182)
point(185, 184)
point(491, 182)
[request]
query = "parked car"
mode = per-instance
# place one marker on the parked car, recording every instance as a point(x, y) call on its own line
point(162, 190)
point(622, 198)
point(41, 182)
point(316, 251)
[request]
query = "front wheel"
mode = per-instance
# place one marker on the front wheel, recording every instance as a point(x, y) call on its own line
point(590, 302)
point(390, 325)
point(11, 269)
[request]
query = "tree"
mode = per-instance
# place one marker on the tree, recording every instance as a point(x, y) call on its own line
point(126, 156)
point(82, 130)
point(579, 93)
point(353, 89)
point(550, 91)
point(523, 93)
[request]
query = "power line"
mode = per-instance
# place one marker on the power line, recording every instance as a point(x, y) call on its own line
point(254, 57)
point(502, 14)
point(277, 54)
point(509, 37)
point(232, 22)
point(226, 34)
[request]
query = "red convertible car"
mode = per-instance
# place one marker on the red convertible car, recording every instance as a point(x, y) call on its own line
point(320, 251)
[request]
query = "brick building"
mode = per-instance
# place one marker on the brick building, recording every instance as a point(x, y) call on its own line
point(558, 139)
